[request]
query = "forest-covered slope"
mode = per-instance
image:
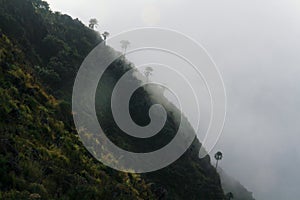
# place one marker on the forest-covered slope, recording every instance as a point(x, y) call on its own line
point(41, 156)
point(229, 184)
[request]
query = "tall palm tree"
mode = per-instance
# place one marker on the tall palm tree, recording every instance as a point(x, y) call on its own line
point(105, 35)
point(229, 196)
point(148, 72)
point(124, 45)
point(93, 23)
point(218, 156)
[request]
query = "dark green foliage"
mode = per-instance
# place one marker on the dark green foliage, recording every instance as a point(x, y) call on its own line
point(38, 155)
point(53, 41)
point(41, 156)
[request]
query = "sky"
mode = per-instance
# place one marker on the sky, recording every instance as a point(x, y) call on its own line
point(256, 46)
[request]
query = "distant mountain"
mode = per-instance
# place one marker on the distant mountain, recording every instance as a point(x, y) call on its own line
point(229, 184)
point(41, 156)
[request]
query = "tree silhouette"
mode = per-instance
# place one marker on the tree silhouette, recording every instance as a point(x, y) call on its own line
point(148, 72)
point(218, 156)
point(124, 45)
point(229, 196)
point(105, 35)
point(93, 23)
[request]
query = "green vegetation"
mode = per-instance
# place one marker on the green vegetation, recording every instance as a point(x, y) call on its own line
point(41, 156)
point(38, 154)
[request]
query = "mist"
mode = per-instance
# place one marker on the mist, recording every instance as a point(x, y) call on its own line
point(256, 46)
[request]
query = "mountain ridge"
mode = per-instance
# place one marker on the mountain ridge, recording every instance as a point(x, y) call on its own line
point(41, 155)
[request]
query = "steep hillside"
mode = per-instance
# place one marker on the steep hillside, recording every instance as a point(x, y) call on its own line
point(38, 155)
point(229, 184)
point(41, 155)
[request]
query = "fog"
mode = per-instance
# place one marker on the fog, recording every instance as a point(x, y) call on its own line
point(256, 46)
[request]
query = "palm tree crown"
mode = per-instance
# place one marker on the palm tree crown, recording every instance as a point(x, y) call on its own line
point(124, 45)
point(93, 23)
point(105, 35)
point(148, 72)
point(218, 156)
point(229, 196)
